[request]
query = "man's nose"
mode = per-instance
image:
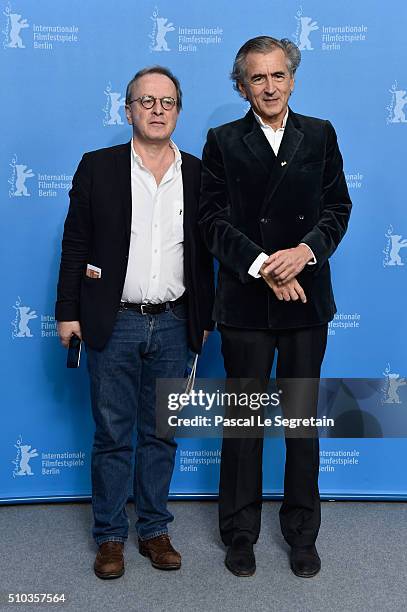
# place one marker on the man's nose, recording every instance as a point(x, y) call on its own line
point(157, 108)
point(269, 86)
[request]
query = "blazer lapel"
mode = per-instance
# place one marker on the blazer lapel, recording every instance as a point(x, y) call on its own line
point(289, 145)
point(123, 161)
point(258, 145)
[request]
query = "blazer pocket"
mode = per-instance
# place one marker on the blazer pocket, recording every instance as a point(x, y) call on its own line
point(312, 165)
point(88, 281)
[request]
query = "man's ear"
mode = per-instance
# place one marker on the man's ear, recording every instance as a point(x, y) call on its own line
point(242, 90)
point(128, 114)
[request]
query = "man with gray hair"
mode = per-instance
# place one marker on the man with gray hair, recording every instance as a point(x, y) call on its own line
point(274, 207)
point(131, 254)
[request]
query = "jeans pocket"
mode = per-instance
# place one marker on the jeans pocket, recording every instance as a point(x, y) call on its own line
point(179, 312)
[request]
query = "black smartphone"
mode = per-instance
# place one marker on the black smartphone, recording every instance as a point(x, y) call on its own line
point(74, 352)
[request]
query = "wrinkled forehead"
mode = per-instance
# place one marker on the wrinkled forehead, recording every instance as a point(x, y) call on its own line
point(157, 85)
point(264, 63)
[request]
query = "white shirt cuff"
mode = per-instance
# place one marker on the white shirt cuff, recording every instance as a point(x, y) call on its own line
point(257, 264)
point(314, 260)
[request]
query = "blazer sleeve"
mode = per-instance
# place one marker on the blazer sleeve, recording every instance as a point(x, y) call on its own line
point(335, 205)
point(75, 244)
point(207, 288)
point(231, 247)
point(205, 273)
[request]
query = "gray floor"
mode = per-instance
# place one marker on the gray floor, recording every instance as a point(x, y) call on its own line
point(47, 548)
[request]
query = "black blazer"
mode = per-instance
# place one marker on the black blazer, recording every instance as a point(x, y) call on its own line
point(253, 201)
point(97, 231)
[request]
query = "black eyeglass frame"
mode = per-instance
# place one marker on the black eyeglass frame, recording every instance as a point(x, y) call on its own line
point(154, 99)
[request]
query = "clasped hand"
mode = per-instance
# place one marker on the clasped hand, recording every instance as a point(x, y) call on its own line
point(290, 290)
point(283, 266)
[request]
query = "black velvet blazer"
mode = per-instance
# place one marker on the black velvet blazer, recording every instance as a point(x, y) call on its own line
point(252, 201)
point(97, 231)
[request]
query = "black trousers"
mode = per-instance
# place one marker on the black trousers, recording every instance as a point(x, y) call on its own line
point(250, 354)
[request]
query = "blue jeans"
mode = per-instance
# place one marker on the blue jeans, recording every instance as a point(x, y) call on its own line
point(123, 376)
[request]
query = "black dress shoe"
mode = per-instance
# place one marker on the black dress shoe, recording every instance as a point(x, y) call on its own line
point(305, 561)
point(240, 559)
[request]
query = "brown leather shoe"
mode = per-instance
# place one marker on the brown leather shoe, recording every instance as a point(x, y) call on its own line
point(161, 553)
point(109, 562)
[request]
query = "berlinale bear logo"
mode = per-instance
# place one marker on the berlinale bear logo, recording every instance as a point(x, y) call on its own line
point(114, 102)
point(305, 26)
point(394, 244)
point(19, 324)
point(19, 174)
point(390, 390)
point(396, 113)
point(161, 27)
point(15, 23)
point(22, 461)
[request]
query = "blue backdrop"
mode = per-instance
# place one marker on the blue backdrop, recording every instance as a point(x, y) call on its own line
point(65, 67)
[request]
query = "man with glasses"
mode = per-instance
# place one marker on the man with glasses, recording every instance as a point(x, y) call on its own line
point(131, 257)
point(274, 207)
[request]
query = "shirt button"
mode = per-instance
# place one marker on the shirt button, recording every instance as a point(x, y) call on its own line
point(155, 251)
point(155, 276)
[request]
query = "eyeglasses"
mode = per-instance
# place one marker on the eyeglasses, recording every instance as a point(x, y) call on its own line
point(148, 102)
point(260, 79)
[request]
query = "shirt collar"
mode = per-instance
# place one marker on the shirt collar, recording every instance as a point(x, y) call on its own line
point(264, 125)
point(135, 157)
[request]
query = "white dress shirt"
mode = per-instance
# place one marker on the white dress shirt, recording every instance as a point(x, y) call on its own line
point(155, 270)
point(274, 138)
